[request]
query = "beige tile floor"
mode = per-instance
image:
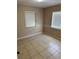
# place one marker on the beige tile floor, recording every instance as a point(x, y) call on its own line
point(39, 47)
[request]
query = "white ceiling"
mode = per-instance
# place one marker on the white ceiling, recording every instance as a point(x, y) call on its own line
point(43, 4)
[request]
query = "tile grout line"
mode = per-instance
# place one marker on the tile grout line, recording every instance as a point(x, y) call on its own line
point(36, 50)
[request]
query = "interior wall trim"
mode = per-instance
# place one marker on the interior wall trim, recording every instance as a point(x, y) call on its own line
point(28, 36)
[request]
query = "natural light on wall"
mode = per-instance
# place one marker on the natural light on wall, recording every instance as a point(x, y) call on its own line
point(56, 20)
point(29, 19)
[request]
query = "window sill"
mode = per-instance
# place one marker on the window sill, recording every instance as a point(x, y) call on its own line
point(56, 28)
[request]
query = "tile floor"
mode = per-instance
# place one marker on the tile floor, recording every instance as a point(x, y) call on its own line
point(39, 47)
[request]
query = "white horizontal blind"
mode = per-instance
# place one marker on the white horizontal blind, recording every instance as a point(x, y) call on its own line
point(29, 19)
point(56, 20)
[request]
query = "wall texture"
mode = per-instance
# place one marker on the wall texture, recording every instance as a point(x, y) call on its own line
point(21, 29)
point(47, 22)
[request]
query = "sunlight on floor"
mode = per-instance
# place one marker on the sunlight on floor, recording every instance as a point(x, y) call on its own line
point(39, 47)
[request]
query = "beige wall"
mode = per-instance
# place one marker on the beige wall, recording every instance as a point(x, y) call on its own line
point(43, 21)
point(21, 29)
point(47, 22)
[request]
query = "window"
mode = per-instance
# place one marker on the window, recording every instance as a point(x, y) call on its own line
point(29, 19)
point(56, 20)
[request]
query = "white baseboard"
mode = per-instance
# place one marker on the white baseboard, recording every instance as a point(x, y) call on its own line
point(29, 35)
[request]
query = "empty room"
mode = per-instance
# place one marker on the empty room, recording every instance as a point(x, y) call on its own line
point(38, 29)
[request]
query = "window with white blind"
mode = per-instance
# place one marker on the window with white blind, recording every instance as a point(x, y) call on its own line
point(29, 19)
point(56, 20)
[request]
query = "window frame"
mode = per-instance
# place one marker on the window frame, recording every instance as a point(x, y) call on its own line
point(53, 26)
point(26, 20)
